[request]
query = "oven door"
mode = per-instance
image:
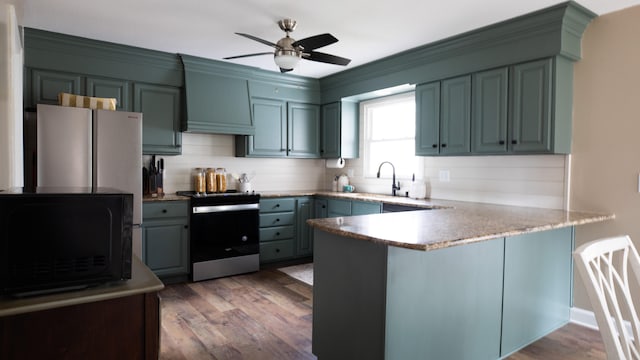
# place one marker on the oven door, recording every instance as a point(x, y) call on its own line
point(224, 231)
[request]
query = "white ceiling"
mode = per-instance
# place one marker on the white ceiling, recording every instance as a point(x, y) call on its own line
point(367, 30)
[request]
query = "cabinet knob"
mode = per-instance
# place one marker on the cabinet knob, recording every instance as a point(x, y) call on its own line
point(277, 205)
point(321, 150)
point(277, 234)
point(277, 250)
point(434, 146)
point(186, 226)
point(501, 142)
point(444, 145)
point(289, 150)
point(164, 211)
point(324, 206)
point(277, 220)
point(514, 142)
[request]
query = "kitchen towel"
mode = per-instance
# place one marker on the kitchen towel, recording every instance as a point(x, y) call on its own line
point(335, 163)
point(72, 100)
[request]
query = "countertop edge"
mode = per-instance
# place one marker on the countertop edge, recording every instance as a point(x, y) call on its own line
point(143, 281)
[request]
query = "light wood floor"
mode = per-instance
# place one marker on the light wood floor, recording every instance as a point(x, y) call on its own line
point(267, 315)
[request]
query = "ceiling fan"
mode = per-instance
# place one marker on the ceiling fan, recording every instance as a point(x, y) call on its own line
point(288, 51)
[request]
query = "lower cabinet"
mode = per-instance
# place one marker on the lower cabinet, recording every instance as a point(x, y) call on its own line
point(284, 233)
point(165, 237)
point(341, 207)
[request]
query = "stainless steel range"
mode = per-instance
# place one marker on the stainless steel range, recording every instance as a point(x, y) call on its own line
point(224, 234)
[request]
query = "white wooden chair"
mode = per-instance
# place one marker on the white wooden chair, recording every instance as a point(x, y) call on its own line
point(604, 267)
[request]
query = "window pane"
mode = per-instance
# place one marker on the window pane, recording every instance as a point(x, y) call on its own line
point(393, 122)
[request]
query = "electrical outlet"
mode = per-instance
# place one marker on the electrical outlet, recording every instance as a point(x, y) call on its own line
point(443, 175)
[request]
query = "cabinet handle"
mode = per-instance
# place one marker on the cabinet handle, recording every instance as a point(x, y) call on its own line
point(514, 142)
point(444, 145)
point(164, 211)
point(501, 142)
point(434, 146)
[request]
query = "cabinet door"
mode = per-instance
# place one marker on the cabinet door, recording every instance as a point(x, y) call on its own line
point(160, 108)
point(428, 119)
point(537, 286)
point(303, 127)
point(165, 247)
point(330, 148)
point(320, 209)
point(455, 122)
point(304, 236)
point(111, 88)
point(336, 208)
point(489, 117)
point(531, 107)
point(45, 86)
point(365, 208)
point(270, 121)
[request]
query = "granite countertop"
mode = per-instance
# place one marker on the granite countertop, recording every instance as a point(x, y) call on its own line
point(452, 223)
point(165, 197)
point(143, 280)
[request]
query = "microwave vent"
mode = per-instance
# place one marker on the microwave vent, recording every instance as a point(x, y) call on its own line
point(53, 268)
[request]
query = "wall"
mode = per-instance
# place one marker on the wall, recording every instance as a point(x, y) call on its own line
point(606, 127)
point(531, 180)
point(204, 150)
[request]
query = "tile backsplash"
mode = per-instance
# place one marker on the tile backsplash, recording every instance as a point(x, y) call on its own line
point(531, 180)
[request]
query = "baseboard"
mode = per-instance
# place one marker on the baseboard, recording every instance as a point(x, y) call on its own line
point(583, 317)
point(587, 318)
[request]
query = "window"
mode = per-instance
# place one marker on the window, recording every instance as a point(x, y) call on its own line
point(389, 135)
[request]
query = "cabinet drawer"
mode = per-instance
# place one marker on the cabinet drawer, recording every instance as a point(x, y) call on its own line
point(276, 250)
point(276, 233)
point(165, 209)
point(277, 205)
point(276, 219)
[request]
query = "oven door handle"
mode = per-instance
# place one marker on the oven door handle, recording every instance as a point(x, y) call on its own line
point(223, 208)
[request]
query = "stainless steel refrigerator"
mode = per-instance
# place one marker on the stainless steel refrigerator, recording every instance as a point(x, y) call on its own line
point(88, 148)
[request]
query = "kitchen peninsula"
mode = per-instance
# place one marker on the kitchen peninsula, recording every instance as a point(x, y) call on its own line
point(464, 281)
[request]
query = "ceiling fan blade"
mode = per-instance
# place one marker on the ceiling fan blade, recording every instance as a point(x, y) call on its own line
point(325, 58)
point(268, 43)
point(282, 70)
point(315, 42)
point(247, 55)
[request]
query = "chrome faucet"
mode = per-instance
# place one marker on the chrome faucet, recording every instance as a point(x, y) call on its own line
point(394, 187)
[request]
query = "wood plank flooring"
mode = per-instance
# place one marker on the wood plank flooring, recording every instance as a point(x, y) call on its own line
point(267, 315)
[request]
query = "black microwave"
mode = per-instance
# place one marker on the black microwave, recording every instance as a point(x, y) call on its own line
point(55, 239)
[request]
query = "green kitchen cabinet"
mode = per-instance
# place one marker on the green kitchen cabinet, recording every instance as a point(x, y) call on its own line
point(344, 207)
point(111, 88)
point(531, 101)
point(46, 85)
point(303, 130)
point(283, 129)
point(165, 238)
point(270, 119)
point(365, 208)
point(428, 119)
point(161, 110)
point(455, 116)
point(339, 130)
point(537, 286)
point(489, 116)
point(304, 233)
point(443, 117)
point(277, 229)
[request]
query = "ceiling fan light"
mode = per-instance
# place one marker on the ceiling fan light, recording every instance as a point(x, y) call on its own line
point(286, 59)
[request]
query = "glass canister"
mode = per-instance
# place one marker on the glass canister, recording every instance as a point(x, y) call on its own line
point(211, 181)
point(199, 181)
point(221, 180)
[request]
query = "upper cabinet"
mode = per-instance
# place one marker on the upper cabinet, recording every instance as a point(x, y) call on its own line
point(509, 110)
point(303, 130)
point(160, 108)
point(140, 80)
point(443, 113)
point(217, 98)
point(339, 130)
